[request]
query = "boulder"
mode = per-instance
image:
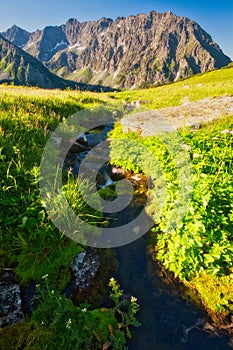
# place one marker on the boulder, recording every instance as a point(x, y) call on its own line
point(10, 300)
point(84, 268)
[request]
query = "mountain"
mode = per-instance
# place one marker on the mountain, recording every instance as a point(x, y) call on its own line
point(136, 51)
point(20, 68)
point(17, 36)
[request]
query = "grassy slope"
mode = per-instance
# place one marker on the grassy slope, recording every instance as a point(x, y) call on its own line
point(26, 115)
point(215, 289)
point(215, 83)
point(30, 243)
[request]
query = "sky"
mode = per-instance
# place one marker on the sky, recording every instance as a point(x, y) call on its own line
point(216, 17)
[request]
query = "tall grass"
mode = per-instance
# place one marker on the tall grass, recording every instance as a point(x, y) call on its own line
point(211, 84)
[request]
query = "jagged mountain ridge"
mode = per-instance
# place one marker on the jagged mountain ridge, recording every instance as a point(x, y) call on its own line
point(136, 51)
point(20, 68)
point(17, 36)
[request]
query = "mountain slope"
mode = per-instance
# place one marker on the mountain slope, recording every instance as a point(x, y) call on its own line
point(17, 36)
point(20, 68)
point(136, 51)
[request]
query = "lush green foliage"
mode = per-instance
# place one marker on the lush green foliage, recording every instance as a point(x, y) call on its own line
point(57, 324)
point(28, 237)
point(202, 242)
point(199, 251)
point(31, 243)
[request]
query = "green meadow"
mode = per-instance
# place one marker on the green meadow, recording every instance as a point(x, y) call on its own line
point(198, 252)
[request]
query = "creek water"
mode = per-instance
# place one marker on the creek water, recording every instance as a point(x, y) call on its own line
point(168, 321)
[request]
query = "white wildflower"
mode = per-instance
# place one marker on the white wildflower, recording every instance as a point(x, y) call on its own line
point(84, 310)
point(68, 323)
point(45, 276)
point(196, 155)
point(133, 300)
point(186, 147)
point(225, 131)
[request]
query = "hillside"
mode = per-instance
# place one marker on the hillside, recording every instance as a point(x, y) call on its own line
point(211, 84)
point(136, 51)
point(20, 68)
point(198, 251)
point(192, 237)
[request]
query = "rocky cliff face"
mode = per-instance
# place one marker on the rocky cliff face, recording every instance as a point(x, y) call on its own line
point(20, 68)
point(136, 51)
point(17, 36)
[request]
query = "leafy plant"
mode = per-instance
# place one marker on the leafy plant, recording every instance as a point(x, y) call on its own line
point(201, 245)
point(58, 323)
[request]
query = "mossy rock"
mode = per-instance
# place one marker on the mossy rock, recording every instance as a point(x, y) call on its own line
point(21, 335)
point(108, 193)
point(215, 293)
point(96, 294)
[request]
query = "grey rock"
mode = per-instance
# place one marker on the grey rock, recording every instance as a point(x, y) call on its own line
point(172, 118)
point(17, 36)
point(10, 300)
point(84, 268)
point(22, 69)
point(136, 51)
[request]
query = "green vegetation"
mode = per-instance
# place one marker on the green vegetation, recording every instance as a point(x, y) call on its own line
point(199, 248)
point(198, 251)
point(33, 246)
point(57, 324)
point(83, 75)
point(28, 236)
point(215, 83)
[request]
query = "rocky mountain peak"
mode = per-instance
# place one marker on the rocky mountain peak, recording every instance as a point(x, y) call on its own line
point(136, 51)
point(17, 36)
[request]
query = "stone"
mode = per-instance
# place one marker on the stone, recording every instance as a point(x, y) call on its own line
point(10, 300)
point(150, 123)
point(84, 268)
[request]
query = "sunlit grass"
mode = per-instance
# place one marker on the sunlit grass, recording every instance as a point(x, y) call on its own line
point(211, 84)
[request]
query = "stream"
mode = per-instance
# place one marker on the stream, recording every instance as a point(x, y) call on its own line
point(169, 322)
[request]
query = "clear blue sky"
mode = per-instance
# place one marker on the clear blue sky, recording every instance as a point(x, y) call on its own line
point(216, 17)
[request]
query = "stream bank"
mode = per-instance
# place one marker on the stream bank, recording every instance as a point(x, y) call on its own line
point(169, 321)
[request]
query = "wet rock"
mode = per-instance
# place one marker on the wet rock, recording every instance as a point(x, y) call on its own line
point(82, 140)
point(84, 268)
point(10, 300)
point(77, 147)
